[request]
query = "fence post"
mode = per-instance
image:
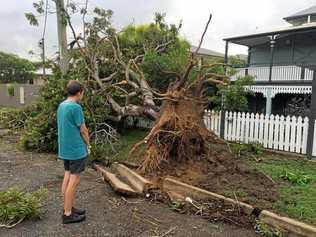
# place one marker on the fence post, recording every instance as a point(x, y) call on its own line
point(222, 124)
point(312, 117)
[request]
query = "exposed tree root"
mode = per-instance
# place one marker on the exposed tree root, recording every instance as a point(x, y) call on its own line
point(179, 134)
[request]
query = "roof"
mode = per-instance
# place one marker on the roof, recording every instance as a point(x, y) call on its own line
point(306, 12)
point(207, 52)
point(48, 71)
point(263, 37)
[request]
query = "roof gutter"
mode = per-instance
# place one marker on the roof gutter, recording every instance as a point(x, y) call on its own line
point(270, 33)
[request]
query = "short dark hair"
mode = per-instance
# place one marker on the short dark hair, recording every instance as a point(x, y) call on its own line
point(73, 87)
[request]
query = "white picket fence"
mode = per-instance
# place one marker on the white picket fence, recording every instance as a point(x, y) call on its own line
point(272, 131)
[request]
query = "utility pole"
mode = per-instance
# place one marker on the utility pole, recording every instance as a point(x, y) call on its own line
point(62, 36)
point(223, 119)
point(42, 47)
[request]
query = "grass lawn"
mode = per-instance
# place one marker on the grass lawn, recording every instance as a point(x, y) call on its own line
point(121, 149)
point(295, 177)
point(297, 185)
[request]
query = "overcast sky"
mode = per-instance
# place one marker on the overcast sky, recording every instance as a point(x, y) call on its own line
point(230, 18)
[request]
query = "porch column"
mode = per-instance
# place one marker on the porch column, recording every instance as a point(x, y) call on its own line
point(269, 101)
point(248, 57)
point(222, 124)
point(226, 55)
point(272, 46)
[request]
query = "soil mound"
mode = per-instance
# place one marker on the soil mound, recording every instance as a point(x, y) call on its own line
point(221, 172)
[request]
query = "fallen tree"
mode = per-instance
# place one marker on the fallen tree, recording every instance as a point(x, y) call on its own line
point(112, 65)
point(179, 132)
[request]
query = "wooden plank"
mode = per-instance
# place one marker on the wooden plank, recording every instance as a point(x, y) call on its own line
point(237, 134)
point(243, 127)
point(276, 132)
point(299, 128)
point(219, 119)
point(251, 128)
point(305, 134)
point(216, 117)
point(238, 127)
point(314, 141)
point(281, 133)
point(271, 131)
point(293, 134)
point(212, 116)
point(205, 118)
point(293, 227)
point(287, 133)
point(266, 130)
point(256, 133)
point(246, 130)
point(234, 126)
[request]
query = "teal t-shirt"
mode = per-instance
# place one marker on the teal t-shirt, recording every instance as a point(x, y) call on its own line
point(71, 145)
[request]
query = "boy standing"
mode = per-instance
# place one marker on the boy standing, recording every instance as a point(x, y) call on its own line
point(73, 148)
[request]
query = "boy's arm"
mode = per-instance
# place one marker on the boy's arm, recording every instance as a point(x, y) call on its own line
point(85, 134)
point(79, 121)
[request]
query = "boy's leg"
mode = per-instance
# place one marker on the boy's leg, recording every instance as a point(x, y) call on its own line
point(70, 193)
point(75, 168)
point(65, 182)
point(66, 177)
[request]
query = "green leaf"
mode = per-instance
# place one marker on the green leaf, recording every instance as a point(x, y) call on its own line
point(31, 18)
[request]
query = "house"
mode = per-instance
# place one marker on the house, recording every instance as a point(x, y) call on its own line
point(282, 61)
point(203, 52)
point(39, 77)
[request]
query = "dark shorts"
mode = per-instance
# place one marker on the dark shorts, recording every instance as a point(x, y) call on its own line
point(75, 166)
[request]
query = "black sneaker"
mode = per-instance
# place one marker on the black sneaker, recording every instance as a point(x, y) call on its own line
point(73, 218)
point(78, 211)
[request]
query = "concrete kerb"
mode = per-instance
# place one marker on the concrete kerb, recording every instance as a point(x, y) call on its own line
point(272, 219)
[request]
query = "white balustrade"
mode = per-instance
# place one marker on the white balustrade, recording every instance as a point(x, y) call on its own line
point(279, 73)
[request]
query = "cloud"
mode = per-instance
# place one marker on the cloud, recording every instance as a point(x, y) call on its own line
point(230, 18)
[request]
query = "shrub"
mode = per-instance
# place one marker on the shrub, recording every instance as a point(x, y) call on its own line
point(10, 89)
point(295, 178)
point(17, 205)
point(267, 231)
point(15, 118)
point(235, 95)
point(252, 150)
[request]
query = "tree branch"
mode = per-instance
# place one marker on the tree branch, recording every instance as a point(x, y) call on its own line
point(202, 38)
point(109, 78)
